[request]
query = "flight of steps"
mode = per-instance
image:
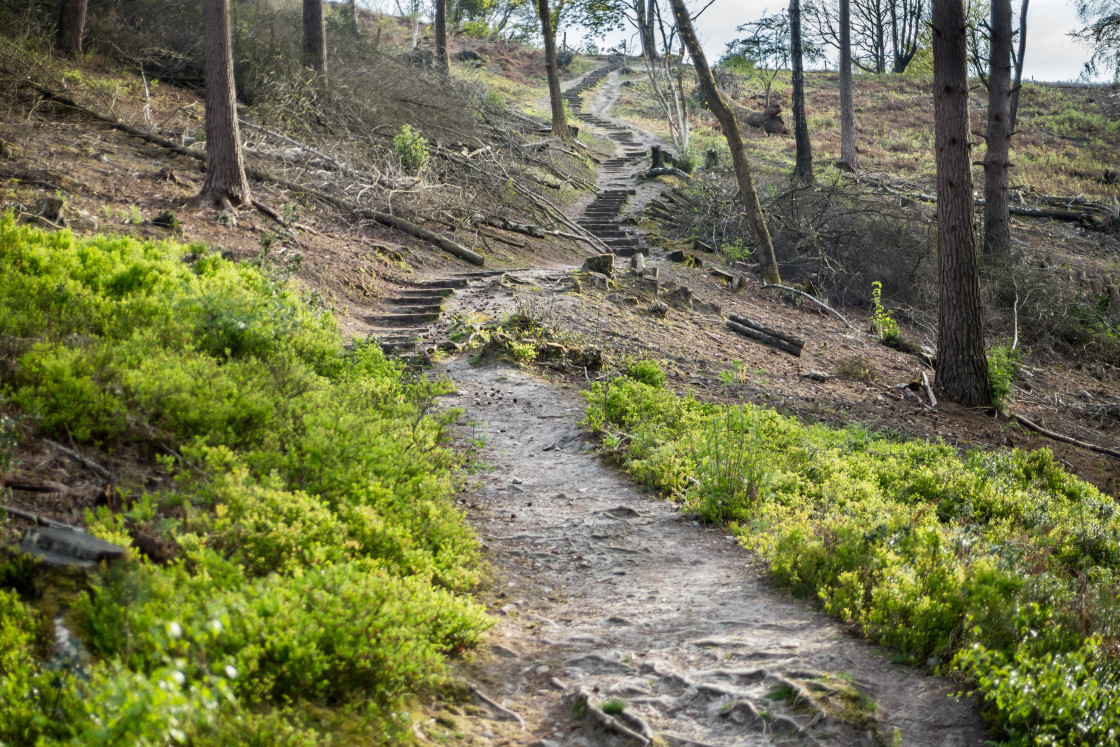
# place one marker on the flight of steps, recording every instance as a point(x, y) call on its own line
point(405, 326)
point(602, 216)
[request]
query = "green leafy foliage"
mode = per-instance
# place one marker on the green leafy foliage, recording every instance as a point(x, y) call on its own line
point(1004, 366)
point(997, 564)
point(885, 325)
point(321, 563)
point(412, 149)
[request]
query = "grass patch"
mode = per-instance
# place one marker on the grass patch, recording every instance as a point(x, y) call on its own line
point(322, 569)
point(999, 565)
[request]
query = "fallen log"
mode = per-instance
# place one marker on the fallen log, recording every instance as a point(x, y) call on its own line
point(772, 332)
point(765, 339)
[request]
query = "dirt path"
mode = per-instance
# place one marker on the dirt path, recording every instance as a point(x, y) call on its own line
point(607, 597)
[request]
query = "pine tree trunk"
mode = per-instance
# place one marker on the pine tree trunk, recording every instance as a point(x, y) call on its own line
point(354, 16)
point(559, 118)
point(962, 369)
point(225, 166)
point(803, 167)
point(443, 59)
point(755, 219)
point(71, 26)
point(314, 36)
point(848, 157)
point(997, 238)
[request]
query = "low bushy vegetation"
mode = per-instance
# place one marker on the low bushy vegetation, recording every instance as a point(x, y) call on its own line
point(321, 569)
point(998, 565)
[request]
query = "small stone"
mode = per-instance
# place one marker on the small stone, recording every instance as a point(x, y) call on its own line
point(638, 264)
point(542, 670)
point(816, 375)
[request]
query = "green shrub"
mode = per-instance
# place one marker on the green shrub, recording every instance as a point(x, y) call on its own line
point(412, 149)
point(647, 372)
point(321, 563)
point(1004, 366)
point(885, 325)
point(932, 553)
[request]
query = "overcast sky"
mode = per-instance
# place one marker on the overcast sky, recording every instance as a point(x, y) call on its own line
point(1051, 54)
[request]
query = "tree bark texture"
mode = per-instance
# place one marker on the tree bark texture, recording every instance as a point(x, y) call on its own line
point(225, 164)
point(768, 264)
point(848, 155)
point(962, 369)
point(803, 166)
point(354, 16)
point(443, 59)
point(646, 12)
point(71, 26)
point(997, 238)
point(559, 118)
point(314, 36)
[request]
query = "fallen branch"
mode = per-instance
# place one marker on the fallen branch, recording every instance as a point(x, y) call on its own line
point(37, 519)
point(929, 390)
point(764, 338)
point(818, 302)
point(1030, 425)
point(496, 705)
point(82, 459)
point(665, 171)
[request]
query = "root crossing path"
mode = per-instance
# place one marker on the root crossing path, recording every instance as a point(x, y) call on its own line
point(623, 621)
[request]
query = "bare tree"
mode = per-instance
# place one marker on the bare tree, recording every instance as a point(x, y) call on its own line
point(71, 26)
point(803, 166)
point(559, 117)
point(443, 60)
point(226, 183)
point(997, 239)
point(314, 36)
point(848, 157)
point(883, 33)
point(962, 368)
point(755, 218)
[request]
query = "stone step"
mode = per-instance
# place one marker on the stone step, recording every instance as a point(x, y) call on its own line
point(482, 273)
point(447, 283)
point(629, 241)
point(395, 320)
point(629, 251)
point(419, 299)
point(418, 309)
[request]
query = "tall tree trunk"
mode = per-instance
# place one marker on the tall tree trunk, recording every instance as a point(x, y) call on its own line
point(314, 36)
point(755, 218)
point(443, 59)
point(962, 369)
point(997, 238)
point(848, 157)
point(71, 26)
point(1018, 84)
point(559, 118)
point(354, 16)
point(803, 167)
point(645, 11)
point(225, 166)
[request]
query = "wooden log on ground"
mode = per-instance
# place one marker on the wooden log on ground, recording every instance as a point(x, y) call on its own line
point(765, 339)
point(795, 341)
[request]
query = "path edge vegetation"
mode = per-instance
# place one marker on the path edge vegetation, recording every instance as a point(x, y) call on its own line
point(321, 575)
point(995, 568)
